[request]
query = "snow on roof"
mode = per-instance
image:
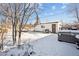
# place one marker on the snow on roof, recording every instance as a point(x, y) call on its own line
point(77, 36)
point(49, 22)
point(72, 31)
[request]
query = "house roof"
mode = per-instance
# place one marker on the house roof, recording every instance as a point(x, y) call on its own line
point(49, 22)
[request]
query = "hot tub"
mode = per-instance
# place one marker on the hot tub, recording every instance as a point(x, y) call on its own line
point(68, 36)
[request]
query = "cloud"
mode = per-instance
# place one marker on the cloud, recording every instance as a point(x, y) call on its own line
point(41, 6)
point(63, 7)
point(53, 7)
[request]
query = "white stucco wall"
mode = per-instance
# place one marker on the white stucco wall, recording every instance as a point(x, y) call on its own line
point(59, 26)
point(47, 26)
point(38, 28)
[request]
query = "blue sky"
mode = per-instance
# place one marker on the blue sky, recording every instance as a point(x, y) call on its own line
point(55, 12)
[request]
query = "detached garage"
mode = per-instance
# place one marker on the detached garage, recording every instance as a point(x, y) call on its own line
point(51, 26)
point(68, 36)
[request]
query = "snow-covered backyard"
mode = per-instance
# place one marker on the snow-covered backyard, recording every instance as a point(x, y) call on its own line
point(42, 44)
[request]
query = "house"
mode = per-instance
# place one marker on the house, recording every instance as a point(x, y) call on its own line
point(27, 27)
point(72, 26)
point(51, 26)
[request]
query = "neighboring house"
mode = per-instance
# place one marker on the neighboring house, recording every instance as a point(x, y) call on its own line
point(73, 26)
point(66, 27)
point(27, 27)
point(6, 25)
point(51, 26)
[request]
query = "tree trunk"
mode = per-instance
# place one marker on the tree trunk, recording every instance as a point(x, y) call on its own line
point(1, 46)
point(77, 14)
point(19, 38)
point(2, 40)
point(13, 34)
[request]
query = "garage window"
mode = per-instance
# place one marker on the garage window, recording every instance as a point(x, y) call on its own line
point(42, 26)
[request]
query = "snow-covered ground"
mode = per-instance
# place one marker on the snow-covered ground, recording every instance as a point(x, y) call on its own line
point(42, 44)
point(26, 37)
point(49, 46)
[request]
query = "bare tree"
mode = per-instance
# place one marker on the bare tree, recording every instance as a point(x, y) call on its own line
point(27, 12)
point(74, 10)
point(8, 11)
point(19, 14)
point(3, 31)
